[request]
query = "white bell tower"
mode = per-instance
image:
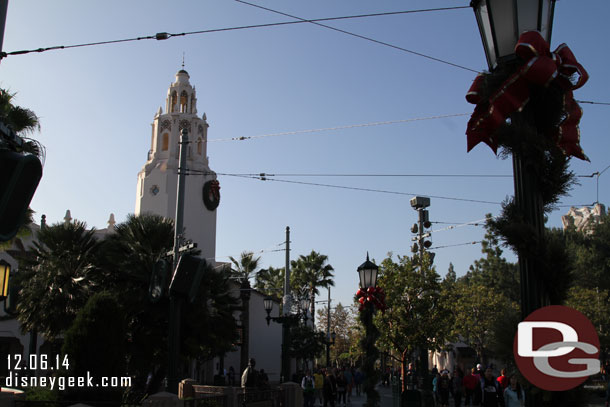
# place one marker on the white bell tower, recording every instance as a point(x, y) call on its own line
point(158, 179)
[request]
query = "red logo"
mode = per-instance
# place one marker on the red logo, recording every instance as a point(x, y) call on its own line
point(556, 348)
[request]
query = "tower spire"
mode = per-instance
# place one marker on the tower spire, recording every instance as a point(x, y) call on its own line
point(182, 59)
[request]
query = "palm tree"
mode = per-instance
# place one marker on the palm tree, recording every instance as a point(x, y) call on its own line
point(127, 258)
point(270, 281)
point(57, 278)
point(22, 121)
point(311, 273)
point(244, 268)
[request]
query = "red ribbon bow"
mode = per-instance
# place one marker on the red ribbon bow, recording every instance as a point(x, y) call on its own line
point(374, 295)
point(541, 67)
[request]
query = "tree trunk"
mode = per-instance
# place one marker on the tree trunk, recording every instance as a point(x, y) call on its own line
point(403, 367)
point(245, 325)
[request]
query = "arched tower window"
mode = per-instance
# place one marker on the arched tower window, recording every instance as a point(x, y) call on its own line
point(174, 101)
point(192, 103)
point(183, 101)
point(199, 146)
point(165, 142)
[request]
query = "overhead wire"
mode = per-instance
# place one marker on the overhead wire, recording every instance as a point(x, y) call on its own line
point(363, 37)
point(349, 126)
point(479, 222)
point(593, 103)
point(266, 177)
point(165, 35)
point(455, 245)
point(361, 189)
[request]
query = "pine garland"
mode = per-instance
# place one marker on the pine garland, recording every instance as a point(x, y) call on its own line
point(526, 133)
point(371, 354)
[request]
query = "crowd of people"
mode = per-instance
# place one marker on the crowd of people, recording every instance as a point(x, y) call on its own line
point(477, 387)
point(331, 387)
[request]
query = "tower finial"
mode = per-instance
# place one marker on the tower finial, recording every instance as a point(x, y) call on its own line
point(183, 60)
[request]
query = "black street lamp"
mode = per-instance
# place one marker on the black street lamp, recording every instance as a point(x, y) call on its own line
point(501, 22)
point(367, 273)
point(287, 320)
point(330, 340)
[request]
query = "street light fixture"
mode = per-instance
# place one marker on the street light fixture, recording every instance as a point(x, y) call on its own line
point(501, 22)
point(5, 271)
point(368, 274)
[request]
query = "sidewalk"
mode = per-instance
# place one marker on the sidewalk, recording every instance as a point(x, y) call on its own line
point(385, 394)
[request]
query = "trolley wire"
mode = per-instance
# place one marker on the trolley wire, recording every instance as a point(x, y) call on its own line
point(364, 37)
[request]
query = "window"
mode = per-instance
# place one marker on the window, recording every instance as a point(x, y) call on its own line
point(165, 145)
point(183, 101)
point(199, 146)
point(173, 101)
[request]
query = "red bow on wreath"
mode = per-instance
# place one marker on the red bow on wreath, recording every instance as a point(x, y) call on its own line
point(541, 67)
point(374, 295)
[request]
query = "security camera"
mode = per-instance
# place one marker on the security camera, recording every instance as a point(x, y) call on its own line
point(420, 202)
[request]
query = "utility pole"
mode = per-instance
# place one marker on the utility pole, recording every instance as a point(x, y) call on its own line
point(287, 304)
point(175, 302)
point(328, 331)
point(3, 8)
point(420, 203)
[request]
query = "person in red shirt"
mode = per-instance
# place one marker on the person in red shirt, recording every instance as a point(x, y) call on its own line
point(471, 383)
point(503, 380)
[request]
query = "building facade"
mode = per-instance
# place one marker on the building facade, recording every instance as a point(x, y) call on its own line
point(158, 179)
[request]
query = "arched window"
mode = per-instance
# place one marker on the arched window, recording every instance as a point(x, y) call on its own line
point(183, 101)
point(199, 146)
point(192, 103)
point(174, 101)
point(165, 142)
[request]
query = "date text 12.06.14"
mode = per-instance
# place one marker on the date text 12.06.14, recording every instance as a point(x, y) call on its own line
point(35, 362)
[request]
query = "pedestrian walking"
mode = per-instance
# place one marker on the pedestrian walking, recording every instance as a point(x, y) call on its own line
point(341, 387)
point(443, 387)
point(514, 396)
point(503, 379)
point(308, 385)
point(330, 389)
point(471, 384)
point(491, 391)
point(318, 378)
point(457, 387)
point(249, 377)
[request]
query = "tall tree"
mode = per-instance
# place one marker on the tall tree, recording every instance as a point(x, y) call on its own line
point(477, 309)
point(270, 281)
point(416, 317)
point(343, 324)
point(57, 278)
point(95, 345)
point(127, 258)
point(311, 273)
point(23, 122)
point(493, 270)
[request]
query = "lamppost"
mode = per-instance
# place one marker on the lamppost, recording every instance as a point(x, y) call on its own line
point(5, 271)
point(287, 320)
point(330, 340)
point(501, 22)
point(367, 273)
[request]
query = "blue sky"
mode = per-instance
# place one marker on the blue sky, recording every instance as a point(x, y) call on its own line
point(96, 105)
